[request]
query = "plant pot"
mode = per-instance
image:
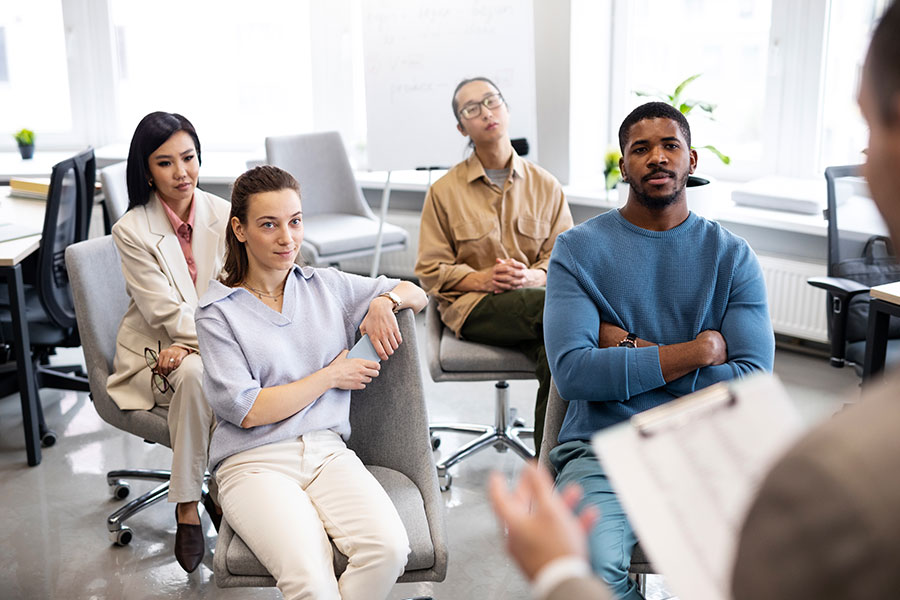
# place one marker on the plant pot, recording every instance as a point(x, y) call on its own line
point(702, 195)
point(26, 150)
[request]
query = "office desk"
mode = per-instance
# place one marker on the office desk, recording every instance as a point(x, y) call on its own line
point(12, 165)
point(884, 303)
point(30, 214)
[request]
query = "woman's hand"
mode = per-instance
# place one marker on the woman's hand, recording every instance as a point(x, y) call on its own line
point(170, 359)
point(381, 325)
point(352, 373)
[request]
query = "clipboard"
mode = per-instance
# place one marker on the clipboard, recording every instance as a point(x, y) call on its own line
point(686, 473)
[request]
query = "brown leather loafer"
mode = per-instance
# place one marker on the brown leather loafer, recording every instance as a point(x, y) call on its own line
point(190, 545)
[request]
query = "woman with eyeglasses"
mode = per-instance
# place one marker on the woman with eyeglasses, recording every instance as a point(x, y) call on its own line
point(172, 243)
point(488, 227)
point(274, 339)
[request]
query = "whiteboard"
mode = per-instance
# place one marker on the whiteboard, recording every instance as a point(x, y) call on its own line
point(417, 52)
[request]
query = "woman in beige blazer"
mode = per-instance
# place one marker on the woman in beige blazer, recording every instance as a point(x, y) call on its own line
point(171, 241)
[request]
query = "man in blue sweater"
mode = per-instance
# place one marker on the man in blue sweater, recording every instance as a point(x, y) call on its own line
point(645, 304)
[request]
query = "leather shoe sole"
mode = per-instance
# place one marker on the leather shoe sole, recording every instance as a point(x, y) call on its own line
point(190, 545)
point(214, 515)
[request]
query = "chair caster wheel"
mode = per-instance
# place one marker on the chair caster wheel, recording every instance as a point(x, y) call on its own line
point(444, 479)
point(122, 537)
point(519, 422)
point(120, 490)
point(48, 438)
point(435, 442)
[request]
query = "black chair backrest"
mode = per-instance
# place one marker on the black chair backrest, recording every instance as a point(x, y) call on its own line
point(66, 220)
point(831, 212)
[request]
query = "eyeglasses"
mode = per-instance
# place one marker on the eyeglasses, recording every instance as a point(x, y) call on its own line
point(473, 109)
point(158, 380)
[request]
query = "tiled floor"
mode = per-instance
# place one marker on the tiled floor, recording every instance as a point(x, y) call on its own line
point(53, 540)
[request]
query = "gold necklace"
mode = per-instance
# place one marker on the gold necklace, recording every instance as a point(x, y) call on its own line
point(263, 294)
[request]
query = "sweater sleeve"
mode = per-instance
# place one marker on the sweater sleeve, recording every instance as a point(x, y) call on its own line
point(746, 327)
point(228, 383)
point(572, 314)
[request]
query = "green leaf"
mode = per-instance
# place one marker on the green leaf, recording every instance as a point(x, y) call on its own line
point(724, 158)
point(685, 83)
point(685, 108)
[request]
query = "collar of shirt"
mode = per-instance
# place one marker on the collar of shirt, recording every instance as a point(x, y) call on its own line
point(218, 291)
point(184, 229)
point(475, 170)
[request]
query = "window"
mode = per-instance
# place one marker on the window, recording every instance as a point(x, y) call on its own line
point(844, 133)
point(237, 74)
point(34, 77)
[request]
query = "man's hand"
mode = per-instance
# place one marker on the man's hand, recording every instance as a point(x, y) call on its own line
point(381, 325)
point(506, 274)
point(541, 526)
point(714, 346)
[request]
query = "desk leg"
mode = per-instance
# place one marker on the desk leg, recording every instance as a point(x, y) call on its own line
point(876, 340)
point(27, 390)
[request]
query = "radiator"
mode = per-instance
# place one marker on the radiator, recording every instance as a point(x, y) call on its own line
point(399, 263)
point(797, 309)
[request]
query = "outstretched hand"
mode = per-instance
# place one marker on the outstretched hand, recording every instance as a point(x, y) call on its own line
point(541, 525)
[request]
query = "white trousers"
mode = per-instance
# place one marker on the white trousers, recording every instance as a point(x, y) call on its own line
point(190, 426)
point(286, 500)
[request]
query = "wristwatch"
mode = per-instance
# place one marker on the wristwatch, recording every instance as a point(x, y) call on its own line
point(393, 298)
point(629, 341)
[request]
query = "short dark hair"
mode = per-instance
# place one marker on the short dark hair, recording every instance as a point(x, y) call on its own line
point(653, 110)
point(459, 86)
point(151, 133)
point(265, 178)
point(882, 63)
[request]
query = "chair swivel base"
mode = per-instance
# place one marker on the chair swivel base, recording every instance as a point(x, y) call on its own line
point(505, 433)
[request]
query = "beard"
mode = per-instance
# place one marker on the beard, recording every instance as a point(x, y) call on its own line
point(659, 202)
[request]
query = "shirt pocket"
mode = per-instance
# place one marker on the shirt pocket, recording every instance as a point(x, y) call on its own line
point(474, 241)
point(532, 234)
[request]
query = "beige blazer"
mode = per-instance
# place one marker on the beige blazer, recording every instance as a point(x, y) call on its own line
point(162, 295)
point(581, 588)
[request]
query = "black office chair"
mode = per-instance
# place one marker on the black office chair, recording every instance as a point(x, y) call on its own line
point(850, 275)
point(48, 300)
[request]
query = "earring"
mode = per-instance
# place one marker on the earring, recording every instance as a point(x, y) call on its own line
point(150, 183)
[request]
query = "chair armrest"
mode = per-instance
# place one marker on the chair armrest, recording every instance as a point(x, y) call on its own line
point(840, 287)
point(840, 291)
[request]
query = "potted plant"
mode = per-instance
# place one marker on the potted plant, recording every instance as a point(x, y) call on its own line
point(686, 106)
point(25, 139)
point(611, 173)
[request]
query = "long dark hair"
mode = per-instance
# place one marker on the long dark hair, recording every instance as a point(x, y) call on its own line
point(255, 181)
point(151, 133)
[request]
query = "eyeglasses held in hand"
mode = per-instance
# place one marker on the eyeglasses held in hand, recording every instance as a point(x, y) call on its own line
point(473, 109)
point(157, 380)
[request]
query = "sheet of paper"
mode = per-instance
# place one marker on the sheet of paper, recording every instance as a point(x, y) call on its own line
point(687, 471)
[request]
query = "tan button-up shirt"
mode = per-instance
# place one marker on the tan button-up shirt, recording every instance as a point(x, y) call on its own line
point(468, 222)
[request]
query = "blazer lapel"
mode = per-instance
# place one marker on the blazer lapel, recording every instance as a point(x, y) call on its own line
point(208, 232)
point(170, 250)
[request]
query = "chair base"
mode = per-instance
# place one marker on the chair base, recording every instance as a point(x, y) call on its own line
point(505, 433)
point(119, 533)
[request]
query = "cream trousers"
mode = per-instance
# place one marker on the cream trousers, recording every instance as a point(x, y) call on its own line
point(286, 500)
point(190, 426)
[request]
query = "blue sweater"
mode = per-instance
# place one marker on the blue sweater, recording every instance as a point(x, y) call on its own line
point(665, 286)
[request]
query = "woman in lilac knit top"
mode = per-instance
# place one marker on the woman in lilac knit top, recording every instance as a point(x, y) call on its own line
point(274, 340)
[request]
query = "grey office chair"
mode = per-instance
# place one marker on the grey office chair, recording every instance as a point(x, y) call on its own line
point(454, 359)
point(48, 300)
point(848, 282)
point(556, 411)
point(390, 435)
point(98, 287)
point(115, 194)
point(338, 224)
